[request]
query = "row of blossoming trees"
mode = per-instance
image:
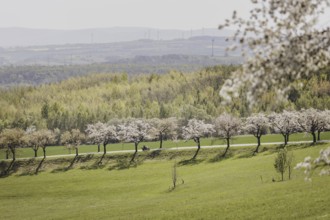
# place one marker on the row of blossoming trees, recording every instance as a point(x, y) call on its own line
point(137, 130)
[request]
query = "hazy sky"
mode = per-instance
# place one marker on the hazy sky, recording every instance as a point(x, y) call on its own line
point(79, 14)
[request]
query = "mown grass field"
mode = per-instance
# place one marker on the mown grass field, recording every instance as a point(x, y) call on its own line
point(238, 187)
point(243, 139)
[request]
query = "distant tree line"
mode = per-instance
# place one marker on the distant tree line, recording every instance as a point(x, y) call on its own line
point(44, 74)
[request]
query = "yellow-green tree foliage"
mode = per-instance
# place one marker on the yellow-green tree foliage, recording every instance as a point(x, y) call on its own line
point(79, 101)
point(76, 102)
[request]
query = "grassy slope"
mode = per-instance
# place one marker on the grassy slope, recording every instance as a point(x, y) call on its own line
point(246, 139)
point(234, 188)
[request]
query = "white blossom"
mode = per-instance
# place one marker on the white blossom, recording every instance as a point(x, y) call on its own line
point(324, 157)
point(324, 120)
point(164, 128)
point(308, 120)
point(136, 131)
point(102, 133)
point(197, 129)
point(322, 161)
point(227, 126)
point(257, 125)
point(284, 123)
point(93, 132)
point(281, 44)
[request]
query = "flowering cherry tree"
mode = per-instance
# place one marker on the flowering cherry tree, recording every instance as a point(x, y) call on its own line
point(136, 131)
point(257, 125)
point(284, 123)
point(73, 139)
point(93, 132)
point(103, 133)
point(309, 121)
point(227, 126)
point(323, 122)
point(12, 138)
point(31, 139)
point(40, 138)
point(3, 146)
point(195, 130)
point(165, 127)
point(280, 42)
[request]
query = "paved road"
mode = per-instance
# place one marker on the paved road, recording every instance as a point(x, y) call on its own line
point(179, 148)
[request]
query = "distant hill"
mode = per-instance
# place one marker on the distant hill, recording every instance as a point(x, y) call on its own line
point(78, 54)
point(42, 74)
point(57, 55)
point(13, 37)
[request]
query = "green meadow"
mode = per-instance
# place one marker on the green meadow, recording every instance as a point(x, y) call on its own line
point(240, 186)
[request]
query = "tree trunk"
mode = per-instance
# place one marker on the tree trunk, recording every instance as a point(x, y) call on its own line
point(13, 160)
point(289, 170)
point(44, 150)
point(282, 175)
point(228, 145)
point(257, 149)
point(285, 139)
point(314, 137)
point(7, 153)
point(39, 166)
point(136, 150)
point(198, 147)
point(35, 152)
point(104, 148)
point(161, 140)
point(318, 135)
point(76, 151)
point(136, 146)
point(13, 151)
point(98, 147)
